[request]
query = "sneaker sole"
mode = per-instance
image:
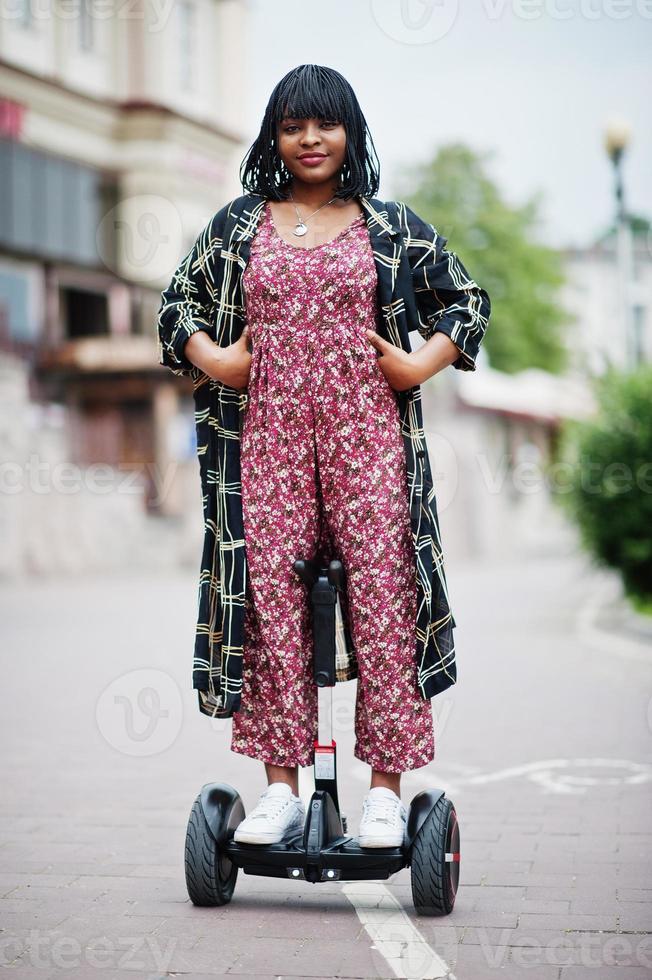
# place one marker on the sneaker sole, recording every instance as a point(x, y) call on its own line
point(251, 837)
point(257, 839)
point(380, 842)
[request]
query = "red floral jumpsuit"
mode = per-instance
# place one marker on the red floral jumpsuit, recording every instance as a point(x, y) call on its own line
point(323, 461)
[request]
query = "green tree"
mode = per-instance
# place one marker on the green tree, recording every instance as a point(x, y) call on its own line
point(495, 242)
point(609, 493)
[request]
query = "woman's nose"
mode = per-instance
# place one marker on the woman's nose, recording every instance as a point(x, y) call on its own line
point(311, 136)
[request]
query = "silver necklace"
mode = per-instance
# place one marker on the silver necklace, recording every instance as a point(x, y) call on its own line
point(301, 227)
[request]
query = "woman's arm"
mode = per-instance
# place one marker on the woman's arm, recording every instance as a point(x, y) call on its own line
point(453, 311)
point(449, 301)
point(202, 351)
point(188, 303)
point(436, 354)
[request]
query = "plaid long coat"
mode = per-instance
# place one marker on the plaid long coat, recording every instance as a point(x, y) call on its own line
point(421, 286)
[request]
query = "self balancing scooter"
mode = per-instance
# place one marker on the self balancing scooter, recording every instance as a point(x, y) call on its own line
point(322, 851)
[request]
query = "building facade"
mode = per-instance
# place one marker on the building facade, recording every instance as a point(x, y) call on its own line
point(119, 137)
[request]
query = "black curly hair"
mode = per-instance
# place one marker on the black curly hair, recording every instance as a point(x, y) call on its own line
point(305, 92)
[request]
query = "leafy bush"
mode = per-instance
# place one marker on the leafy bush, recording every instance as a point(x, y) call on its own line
point(609, 494)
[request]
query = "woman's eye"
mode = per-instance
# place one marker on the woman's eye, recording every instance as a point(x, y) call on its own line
point(325, 122)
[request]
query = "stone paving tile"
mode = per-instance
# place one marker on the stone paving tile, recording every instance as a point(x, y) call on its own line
point(494, 872)
point(66, 868)
point(73, 941)
point(86, 927)
point(634, 895)
point(78, 892)
point(475, 963)
point(304, 924)
point(10, 881)
point(566, 948)
point(48, 900)
point(574, 892)
point(11, 922)
point(505, 896)
point(529, 879)
point(627, 879)
point(543, 905)
point(599, 905)
point(314, 958)
point(467, 915)
point(131, 886)
point(575, 921)
point(634, 916)
point(171, 871)
point(605, 973)
point(214, 954)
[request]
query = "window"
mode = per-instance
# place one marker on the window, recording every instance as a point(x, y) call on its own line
point(145, 304)
point(84, 313)
point(52, 207)
point(22, 13)
point(86, 38)
point(187, 55)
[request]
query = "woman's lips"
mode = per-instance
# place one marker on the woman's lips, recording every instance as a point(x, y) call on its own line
point(311, 161)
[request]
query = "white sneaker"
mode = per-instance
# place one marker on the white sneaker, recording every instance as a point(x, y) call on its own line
point(384, 819)
point(278, 813)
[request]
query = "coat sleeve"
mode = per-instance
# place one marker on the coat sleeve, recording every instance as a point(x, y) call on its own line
point(447, 298)
point(188, 302)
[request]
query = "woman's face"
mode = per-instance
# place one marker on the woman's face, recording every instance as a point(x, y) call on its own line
point(313, 150)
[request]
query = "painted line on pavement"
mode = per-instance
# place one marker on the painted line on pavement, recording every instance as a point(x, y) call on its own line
point(574, 775)
point(393, 934)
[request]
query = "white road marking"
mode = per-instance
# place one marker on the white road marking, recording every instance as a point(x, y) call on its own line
point(394, 935)
point(552, 775)
point(546, 773)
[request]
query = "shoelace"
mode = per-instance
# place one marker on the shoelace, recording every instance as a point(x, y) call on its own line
point(271, 806)
point(382, 810)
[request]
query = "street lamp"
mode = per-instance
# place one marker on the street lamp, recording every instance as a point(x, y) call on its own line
point(617, 136)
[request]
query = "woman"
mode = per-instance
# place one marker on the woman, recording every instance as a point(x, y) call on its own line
point(322, 451)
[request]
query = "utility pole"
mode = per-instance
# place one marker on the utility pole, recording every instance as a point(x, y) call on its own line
point(617, 137)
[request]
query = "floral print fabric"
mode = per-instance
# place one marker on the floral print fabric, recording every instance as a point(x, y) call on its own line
point(323, 469)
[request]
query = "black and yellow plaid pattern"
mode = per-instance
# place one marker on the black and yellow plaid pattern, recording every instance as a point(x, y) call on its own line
point(421, 286)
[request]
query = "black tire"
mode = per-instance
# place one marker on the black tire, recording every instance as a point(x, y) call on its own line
point(210, 874)
point(435, 879)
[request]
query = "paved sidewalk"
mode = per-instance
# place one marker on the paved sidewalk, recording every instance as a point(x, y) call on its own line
point(543, 745)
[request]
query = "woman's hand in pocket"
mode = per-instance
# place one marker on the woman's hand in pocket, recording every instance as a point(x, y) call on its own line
point(230, 365)
point(400, 367)
point(234, 362)
point(404, 369)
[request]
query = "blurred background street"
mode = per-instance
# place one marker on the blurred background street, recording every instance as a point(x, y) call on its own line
point(521, 131)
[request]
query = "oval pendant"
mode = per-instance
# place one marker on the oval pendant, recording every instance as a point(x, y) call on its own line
point(300, 229)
